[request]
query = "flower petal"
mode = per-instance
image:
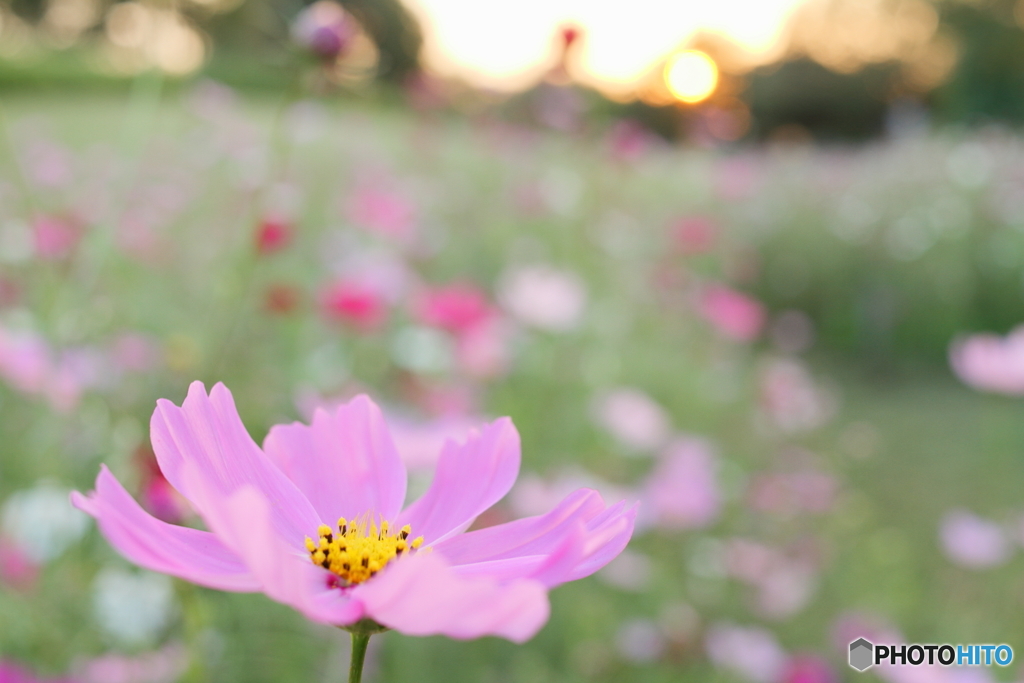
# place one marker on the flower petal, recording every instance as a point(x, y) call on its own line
point(607, 536)
point(572, 541)
point(346, 463)
point(206, 432)
point(421, 595)
point(190, 554)
point(469, 479)
point(245, 522)
point(588, 548)
point(503, 570)
point(538, 535)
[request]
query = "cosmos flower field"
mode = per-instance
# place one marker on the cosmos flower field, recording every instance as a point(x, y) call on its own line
point(773, 350)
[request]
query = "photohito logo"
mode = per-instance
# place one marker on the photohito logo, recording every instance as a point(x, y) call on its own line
point(864, 654)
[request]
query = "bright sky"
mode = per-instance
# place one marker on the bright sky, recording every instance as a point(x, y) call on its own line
point(507, 44)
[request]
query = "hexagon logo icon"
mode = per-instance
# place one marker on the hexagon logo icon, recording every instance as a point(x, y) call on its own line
point(861, 651)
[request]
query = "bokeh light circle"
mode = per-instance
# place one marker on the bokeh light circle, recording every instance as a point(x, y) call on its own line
point(691, 76)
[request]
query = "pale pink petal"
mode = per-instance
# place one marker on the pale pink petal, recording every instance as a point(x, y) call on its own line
point(683, 490)
point(469, 479)
point(421, 595)
point(503, 570)
point(587, 547)
point(345, 463)
point(564, 559)
point(207, 433)
point(190, 554)
point(972, 541)
point(244, 521)
point(989, 362)
point(538, 535)
point(574, 540)
point(607, 536)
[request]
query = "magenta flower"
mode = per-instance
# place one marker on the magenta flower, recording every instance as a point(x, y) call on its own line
point(355, 303)
point(272, 235)
point(315, 520)
point(456, 307)
point(734, 314)
point(54, 237)
point(808, 669)
point(12, 673)
point(325, 29)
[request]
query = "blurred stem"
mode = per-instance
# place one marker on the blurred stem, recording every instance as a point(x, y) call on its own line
point(19, 175)
point(355, 669)
point(279, 149)
point(140, 118)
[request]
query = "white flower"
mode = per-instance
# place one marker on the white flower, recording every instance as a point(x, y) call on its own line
point(133, 607)
point(544, 297)
point(632, 417)
point(42, 522)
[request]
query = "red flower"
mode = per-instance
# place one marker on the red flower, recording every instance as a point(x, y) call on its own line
point(273, 235)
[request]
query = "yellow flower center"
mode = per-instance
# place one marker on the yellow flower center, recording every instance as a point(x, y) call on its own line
point(359, 549)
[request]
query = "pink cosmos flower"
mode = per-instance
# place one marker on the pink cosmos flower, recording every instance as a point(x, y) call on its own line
point(735, 315)
point(481, 334)
point(737, 177)
point(629, 140)
point(10, 292)
point(12, 673)
point(28, 364)
point(54, 237)
point(750, 652)
point(785, 582)
point(683, 490)
point(165, 665)
point(16, 568)
point(484, 350)
point(791, 399)
point(352, 302)
point(456, 307)
point(48, 165)
point(808, 669)
point(991, 363)
point(972, 541)
point(24, 360)
point(385, 213)
point(632, 417)
point(341, 482)
point(787, 494)
point(694, 234)
point(135, 352)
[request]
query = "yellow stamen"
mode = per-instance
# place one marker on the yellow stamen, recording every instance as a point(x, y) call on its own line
point(360, 548)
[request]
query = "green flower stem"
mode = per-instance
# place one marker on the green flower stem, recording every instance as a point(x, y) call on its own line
point(361, 632)
point(355, 669)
